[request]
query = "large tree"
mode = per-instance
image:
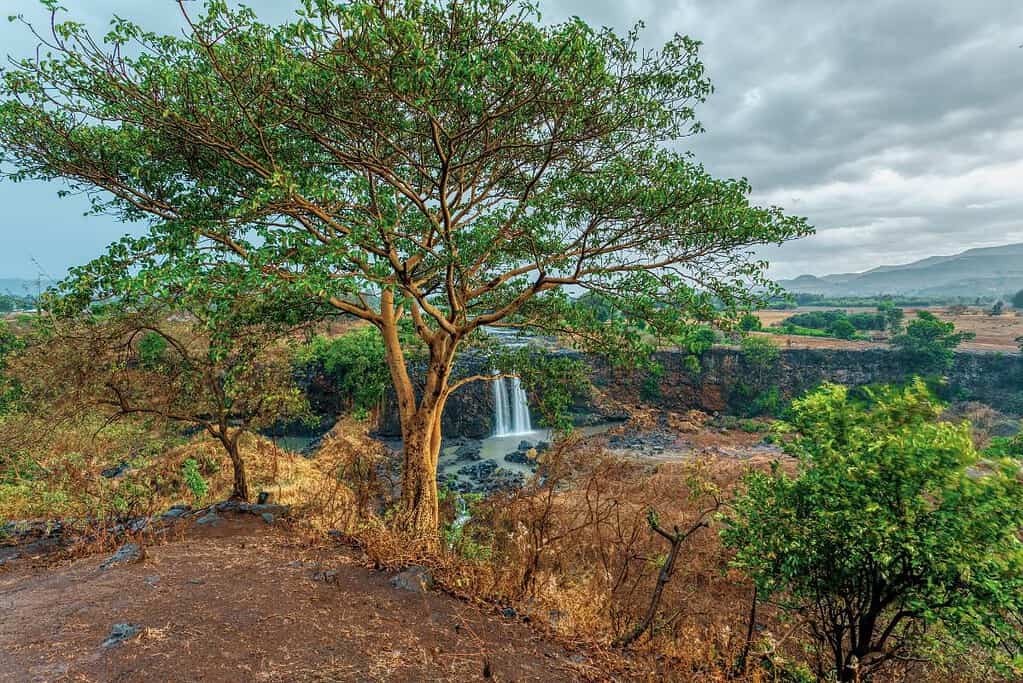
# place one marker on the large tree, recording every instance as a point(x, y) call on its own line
point(454, 163)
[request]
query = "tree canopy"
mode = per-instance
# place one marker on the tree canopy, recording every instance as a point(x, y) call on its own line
point(458, 163)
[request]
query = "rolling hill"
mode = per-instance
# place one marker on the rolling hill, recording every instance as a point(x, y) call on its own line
point(984, 272)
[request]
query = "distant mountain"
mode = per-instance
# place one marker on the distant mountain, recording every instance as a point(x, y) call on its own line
point(989, 271)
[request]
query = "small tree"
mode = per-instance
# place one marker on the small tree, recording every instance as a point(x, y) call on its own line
point(843, 329)
point(1017, 300)
point(998, 308)
point(893, 316)
point(163, 362)
point(892, 528)
point(928, 344)
point(457, 164)
point(750, 323)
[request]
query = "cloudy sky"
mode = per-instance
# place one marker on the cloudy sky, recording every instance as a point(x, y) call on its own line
point(896, 127)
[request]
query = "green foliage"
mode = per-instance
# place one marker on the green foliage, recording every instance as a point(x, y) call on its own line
point(892, 527)
point(650, 389)
point(928, 344)
point(750, 323)
point(826, 320)
point(1017, 300)
point(355, 362)
point(843, 329)
point(893, 316)
point(194, 481)
point(151, 349)
point(759, 353)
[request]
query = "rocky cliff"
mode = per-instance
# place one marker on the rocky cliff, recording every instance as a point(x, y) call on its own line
point(726, 382)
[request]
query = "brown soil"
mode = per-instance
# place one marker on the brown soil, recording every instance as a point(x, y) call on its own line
point(240, 602)
point(994, 333)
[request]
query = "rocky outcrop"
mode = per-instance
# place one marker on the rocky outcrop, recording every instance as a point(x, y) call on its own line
point(725, 380)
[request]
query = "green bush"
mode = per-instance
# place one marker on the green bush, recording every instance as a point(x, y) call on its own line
point(893, 529)
point(151, 348)
point(194, 480)
point(928, 344)
point(356, 363)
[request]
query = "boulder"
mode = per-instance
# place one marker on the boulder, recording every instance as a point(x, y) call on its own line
point(127, 553)
point(116, 471)
point(210, 519)
point(120, 633)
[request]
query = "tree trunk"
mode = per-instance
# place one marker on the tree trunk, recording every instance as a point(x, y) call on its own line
point(418, 514)
point(240, 490)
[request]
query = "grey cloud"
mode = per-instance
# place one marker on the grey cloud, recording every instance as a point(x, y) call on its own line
point(896, 128)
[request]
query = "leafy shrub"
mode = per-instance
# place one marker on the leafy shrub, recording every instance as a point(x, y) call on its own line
point(750, 323)
point(356, 363)
point(194, 480)
point(151, 348)
point(892, 529)
point(928, 344)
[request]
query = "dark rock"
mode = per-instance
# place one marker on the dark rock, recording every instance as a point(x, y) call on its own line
point(524, 445)
point(273, 509)
point(468, 452)
point(263, 498)
point(120, 633)
point(520, 458)
point(210, 518)
point(509, 612)
point(116, 471)
point(415, 579)
point(267, 517)
point(127, 553)
point(325, 575)
point(177, 511)
point(480, 470)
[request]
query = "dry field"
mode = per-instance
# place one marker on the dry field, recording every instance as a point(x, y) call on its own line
point(994, 333)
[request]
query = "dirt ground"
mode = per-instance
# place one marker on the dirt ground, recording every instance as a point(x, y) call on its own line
point(994, 333)
point(240, 602)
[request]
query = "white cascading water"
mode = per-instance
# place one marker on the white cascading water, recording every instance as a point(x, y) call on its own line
point(511, 407)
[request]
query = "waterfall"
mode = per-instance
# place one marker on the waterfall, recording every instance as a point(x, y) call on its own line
point(511, 408)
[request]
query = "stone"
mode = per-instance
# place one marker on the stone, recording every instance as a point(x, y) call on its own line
point(520, 457)
point(524, 445)
point(267, 517)
point(116, 471)
point(326, 575)
point(479, 470)
point(259, 509)
point(509, 612)
point(415, 579)
point(468, 452)
point(152, 580)
point(210, 519)
point(177, 511)
point(129, 552)
point(120, 633)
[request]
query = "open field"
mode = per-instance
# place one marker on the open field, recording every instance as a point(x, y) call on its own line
point(994, 333)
